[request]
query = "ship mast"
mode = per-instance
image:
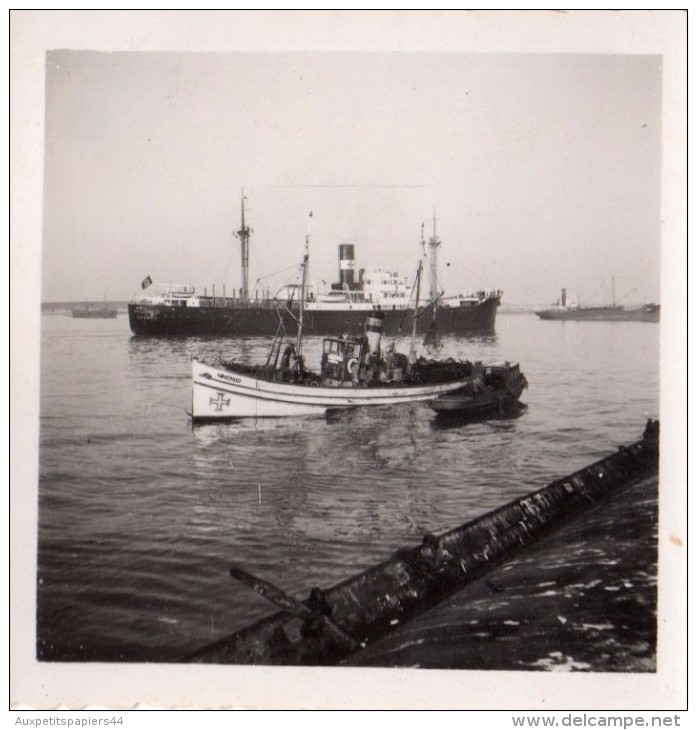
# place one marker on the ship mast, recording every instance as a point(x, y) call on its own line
point(243, 235)
point(614, 303)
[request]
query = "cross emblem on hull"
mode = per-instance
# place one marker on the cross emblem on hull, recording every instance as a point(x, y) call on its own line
point(219, 401)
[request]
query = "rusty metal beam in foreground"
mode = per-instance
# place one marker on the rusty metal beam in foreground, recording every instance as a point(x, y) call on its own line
point(369, 605)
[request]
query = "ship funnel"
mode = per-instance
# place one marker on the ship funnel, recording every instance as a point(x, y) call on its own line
point(346, 265)
point(373, 332)
point(563, 297)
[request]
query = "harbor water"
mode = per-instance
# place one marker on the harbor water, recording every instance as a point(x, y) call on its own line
point(140, 515)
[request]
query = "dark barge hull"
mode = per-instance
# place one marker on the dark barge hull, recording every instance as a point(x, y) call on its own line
point(234, 318)
point(494, 403)
point(493, 400)
point(370, 605)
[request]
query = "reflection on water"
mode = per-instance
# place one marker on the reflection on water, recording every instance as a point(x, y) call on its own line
point(459, 420)
point(140, 515)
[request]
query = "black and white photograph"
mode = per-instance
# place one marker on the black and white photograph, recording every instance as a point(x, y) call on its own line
point(348, 359)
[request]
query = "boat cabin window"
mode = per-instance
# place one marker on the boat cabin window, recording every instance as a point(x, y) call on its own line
point(339, 347)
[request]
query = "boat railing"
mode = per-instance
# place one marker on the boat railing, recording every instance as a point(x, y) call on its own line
point(237, 303)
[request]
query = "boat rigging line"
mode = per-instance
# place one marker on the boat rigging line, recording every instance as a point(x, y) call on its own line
point(274, 273)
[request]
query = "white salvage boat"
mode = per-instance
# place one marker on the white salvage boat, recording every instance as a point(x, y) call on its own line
point(354, 372)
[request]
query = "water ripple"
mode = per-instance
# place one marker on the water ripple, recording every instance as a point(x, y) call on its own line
point(140, 515)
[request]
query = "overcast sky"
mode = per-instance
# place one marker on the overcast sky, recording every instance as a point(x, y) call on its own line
point(543, 170)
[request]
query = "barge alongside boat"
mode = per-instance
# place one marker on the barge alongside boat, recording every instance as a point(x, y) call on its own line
point(333, 624)
point(492, 389)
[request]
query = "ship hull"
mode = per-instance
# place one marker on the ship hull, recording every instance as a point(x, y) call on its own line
point(649, 313)
point(262, 319)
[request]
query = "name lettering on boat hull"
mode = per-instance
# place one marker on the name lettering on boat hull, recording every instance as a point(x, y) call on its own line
point(231, 378)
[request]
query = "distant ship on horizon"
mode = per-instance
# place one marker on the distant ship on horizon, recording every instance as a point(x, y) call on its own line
point(91, 312)
point(572, 310)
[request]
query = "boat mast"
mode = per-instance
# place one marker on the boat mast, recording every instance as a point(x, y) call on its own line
point(303, 269)
point(412, 347)
point(243, 235)
point(433, 245)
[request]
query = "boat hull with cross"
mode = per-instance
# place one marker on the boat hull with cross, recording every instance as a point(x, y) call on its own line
point(221, 393)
